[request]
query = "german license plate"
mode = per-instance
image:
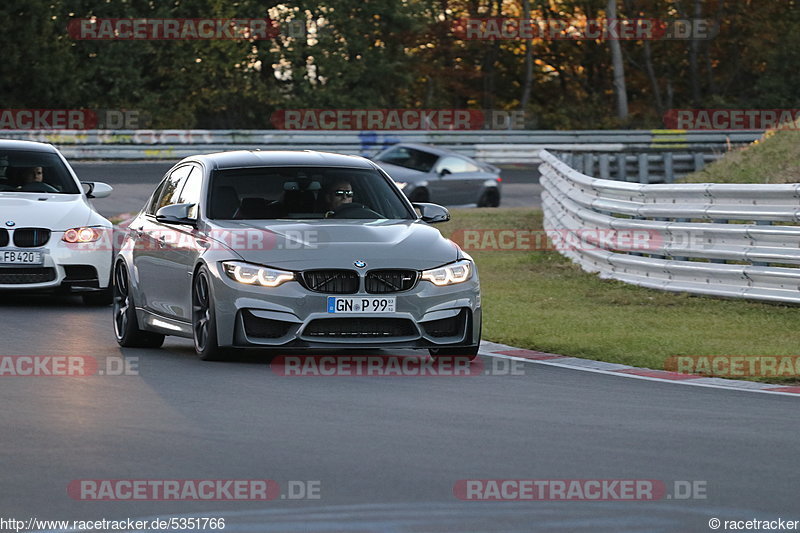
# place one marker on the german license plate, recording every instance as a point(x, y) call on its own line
point(361, 305)
point(18, 257)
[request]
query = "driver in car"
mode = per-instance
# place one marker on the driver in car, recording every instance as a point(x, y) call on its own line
point(32, 181)
point(337, 194)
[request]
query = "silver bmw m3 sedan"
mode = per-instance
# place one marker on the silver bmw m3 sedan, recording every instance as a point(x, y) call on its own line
point(292, 251)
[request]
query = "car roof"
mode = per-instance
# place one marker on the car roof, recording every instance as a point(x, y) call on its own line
point(280, 158)
point(30, 146)
point(429, 148)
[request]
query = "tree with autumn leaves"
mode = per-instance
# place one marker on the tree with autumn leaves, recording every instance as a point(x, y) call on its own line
point(367, 54)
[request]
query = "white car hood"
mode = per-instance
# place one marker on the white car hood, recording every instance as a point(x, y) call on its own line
point(57, 212)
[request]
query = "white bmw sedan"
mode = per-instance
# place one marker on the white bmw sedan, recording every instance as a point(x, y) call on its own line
point(51, 237)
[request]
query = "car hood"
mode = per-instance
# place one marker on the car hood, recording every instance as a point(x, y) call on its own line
point(297, 245)
point(400, 173)
point(57, 212)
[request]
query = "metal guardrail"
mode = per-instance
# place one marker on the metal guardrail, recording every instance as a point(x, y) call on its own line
point(503, 147)
point(712, 239)
point(642, 165)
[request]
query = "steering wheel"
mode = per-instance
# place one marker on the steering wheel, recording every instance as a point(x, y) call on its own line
point(38, 186)
point(348, 210)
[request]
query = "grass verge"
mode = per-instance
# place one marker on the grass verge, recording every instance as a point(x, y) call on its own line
point(539, 300)
point(774, 159)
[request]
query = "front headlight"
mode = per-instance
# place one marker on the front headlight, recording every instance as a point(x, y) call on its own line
point(457, 272)
point(81, 235)
point(255, 275)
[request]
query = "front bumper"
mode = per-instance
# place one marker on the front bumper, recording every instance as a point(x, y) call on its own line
point(291, 316)
point(84, 267)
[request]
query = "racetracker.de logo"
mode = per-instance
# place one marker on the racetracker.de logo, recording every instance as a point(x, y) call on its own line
point(69, 119)
point(66, 366)
point(736, 366)
point(165, 239)
point(583, 29)
point(177, 29)
point(560, 240)
point(173, 489)
point(375, 366)
point(397, 119)
point(517, 490)
point(732, 119)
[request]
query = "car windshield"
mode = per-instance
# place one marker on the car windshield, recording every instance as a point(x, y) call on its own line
point(34, 172)
point(304, 193)
point(412, 158)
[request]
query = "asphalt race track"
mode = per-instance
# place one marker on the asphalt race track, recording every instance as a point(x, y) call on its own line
point(368, 453)
point(382, 453)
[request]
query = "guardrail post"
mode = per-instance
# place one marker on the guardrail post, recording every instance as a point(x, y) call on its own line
point(669, 173)
point(644, 176)
point(577, 163)
point(718, 221)
point(762, 223)
point(681, 257)
point(699, 162)
point(622, 167)
point(588, 164)
point(604, 167)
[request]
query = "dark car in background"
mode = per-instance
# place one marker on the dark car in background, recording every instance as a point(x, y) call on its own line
point(429, 174)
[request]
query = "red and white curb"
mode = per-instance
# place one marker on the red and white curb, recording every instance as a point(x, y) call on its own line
point(124, 218)
point(493, 349)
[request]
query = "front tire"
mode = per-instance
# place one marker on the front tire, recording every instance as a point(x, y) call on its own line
point(204, 321)
point(126, 326)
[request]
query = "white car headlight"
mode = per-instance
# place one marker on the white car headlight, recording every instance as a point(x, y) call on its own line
point(255, 275)
point(81, 235)
point(457, 272)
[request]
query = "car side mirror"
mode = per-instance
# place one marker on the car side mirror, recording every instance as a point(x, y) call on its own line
point(176, 214)
point(96, 189)
point(432, 213)
point(444, 172)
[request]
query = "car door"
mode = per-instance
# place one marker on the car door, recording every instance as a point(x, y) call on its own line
point(182, 250)
point(451, 183)
point(474, 178)
point(153, 265)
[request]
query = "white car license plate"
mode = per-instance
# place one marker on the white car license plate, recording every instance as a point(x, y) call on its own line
point(361, 305)
point(18, 257)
